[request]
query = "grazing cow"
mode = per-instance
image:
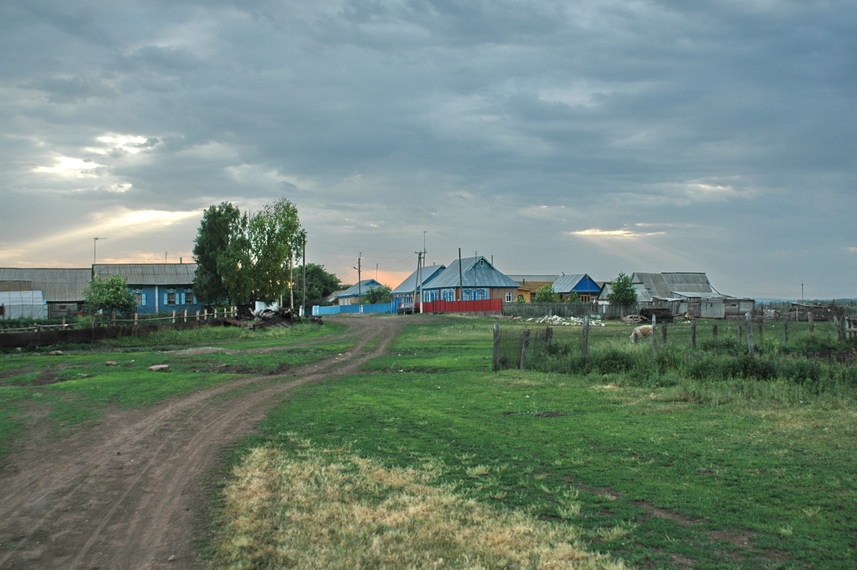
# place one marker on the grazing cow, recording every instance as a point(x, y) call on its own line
point(640, 332)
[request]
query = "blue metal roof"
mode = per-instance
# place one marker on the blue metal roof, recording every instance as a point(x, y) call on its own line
point(579, 283)
point(409, 284)
point(475, 272)
point(360, 288)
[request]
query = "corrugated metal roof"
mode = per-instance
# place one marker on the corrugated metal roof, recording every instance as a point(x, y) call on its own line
point(428, 273)
point(532, 278)
point(665, 285)
point(62, 285)
point(149, 273)
point(360, 288)
point(475, 272)
point(643, 295)
point(567, 283)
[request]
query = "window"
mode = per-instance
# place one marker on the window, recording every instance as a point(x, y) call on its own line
point(138, 297)
point(188, 297)
point(481, 294)
point(171, 297)
point(510, 296)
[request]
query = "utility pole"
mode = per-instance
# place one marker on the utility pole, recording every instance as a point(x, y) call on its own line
point(460, 280)
point(303, 299)
point(418, 286)
point(359, 278)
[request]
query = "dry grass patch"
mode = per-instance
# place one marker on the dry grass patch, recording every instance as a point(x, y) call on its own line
point(330, 509)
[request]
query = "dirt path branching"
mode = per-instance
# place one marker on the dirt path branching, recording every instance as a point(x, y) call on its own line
point(130, 492)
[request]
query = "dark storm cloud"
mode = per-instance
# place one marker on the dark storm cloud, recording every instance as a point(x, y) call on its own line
point(687, 130)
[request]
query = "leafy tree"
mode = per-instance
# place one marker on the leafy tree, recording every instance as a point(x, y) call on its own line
point(241, 259)
point(215, 251)
point(573, 297)
point(109, 294)
point(275, 237)
point(375, 295)
point(622, 292)
point(319, 283)
point(546, 294)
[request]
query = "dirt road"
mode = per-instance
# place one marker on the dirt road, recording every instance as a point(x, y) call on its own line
point(131, 491)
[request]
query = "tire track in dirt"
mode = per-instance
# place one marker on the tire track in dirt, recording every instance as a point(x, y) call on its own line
point(129, 493)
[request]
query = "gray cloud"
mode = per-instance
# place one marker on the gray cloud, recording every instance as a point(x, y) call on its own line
point(717, 138)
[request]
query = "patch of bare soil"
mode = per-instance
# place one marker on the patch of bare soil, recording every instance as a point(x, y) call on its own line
point(130, 492)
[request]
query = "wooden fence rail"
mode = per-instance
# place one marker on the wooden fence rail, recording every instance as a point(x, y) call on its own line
point(514, 348)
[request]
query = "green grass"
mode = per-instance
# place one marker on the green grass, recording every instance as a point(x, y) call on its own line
point(644, 473)
point(76, 386)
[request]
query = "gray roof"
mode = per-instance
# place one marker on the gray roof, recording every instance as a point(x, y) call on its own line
point(668, 285)
point(360, 288)
point(57, 285)
point(643, 295)
point(567, 283)
point(521, 279)
point(409, 284)
point(149, 273)
point(475, 272)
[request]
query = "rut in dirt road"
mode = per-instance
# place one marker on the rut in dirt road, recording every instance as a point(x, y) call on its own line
point(129, 493)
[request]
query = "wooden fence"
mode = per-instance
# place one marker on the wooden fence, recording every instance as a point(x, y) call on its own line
point(513, 348)
point(80, 333)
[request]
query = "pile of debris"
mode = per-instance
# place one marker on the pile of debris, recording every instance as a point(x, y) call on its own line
point(264, 318)
point(554, 320)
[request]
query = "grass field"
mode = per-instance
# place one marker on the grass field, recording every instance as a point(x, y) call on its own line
point(643, 473)
point(428, 459)
point(77, 384)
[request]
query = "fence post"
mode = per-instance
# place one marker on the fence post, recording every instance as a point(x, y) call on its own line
point(664, 333)
point(693, 333)
point(184, 317)
point(585, 340)
point(654, 335)
point(496, 364)
point(750, 344)
point(714, 332)
point(525, 345)
point(786, 333)
point(174, 317)
point(548, 336)
point(811, 319)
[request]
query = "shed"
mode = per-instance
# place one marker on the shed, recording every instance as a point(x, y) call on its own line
point(23, 305)
point(62, 288)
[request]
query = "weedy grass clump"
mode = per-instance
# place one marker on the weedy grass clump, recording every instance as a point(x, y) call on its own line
point(308, 507)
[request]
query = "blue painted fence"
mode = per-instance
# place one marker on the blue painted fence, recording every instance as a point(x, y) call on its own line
point(340, 309)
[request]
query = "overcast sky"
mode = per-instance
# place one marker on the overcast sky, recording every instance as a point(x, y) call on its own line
point(594, 136)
